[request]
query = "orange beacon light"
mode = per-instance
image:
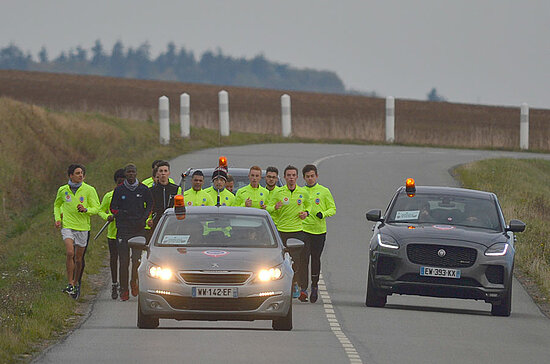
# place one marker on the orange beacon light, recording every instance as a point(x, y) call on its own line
point(410, 187)
point(222, 162)
point(179, 207)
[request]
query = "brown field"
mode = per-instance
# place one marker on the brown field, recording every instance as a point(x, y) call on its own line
point(314, 115)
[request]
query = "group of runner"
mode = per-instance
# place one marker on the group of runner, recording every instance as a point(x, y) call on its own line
point(298, 212)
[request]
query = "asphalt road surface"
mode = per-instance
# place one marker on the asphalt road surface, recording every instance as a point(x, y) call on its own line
point(338, 328)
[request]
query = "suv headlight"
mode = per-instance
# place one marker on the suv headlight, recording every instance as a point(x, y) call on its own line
point(387, 242)
point(497, 250)
point(271, 274)
point(154, 271)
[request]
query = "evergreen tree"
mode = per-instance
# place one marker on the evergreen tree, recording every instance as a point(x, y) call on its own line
point(179, 65)
point(98, 55)
point(12, 57)
point(43, 55)
point(434, 96)
point(117, 62)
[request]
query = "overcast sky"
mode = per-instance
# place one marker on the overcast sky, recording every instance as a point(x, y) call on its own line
point(484, 51)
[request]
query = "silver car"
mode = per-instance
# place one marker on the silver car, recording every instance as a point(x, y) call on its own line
point(217, 263)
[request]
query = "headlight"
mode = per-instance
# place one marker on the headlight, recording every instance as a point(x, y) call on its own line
point(272, 274)
point(161, 273)
point(387, 242)
point(497, 250)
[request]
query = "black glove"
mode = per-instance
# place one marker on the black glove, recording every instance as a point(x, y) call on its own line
point(319, 215)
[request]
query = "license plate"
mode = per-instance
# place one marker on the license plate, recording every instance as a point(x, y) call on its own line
point(214, 292)
point(439, 272)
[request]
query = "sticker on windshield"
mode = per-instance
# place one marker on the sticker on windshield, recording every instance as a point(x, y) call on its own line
point(175, 239)
point(407, 215)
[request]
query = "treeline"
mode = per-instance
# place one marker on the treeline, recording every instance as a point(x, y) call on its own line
point(174, 65)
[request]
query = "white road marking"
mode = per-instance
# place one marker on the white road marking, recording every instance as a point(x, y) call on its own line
point(330, 157)
point(347, 345)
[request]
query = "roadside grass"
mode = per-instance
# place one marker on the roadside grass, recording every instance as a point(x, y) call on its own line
point(524, 193)
point(36, 146)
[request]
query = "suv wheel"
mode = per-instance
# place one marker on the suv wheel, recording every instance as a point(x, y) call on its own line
point(504, 307)
point(375, 298)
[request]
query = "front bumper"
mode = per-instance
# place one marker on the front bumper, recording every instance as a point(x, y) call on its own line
point(488, 279)
point(255, 301)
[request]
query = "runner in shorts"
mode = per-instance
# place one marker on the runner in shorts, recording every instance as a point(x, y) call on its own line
point(74, 204)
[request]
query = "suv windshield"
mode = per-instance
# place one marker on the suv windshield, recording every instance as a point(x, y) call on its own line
point(445, 210)
point(216, 230)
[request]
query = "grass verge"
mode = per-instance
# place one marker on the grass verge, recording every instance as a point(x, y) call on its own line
point(524, 193)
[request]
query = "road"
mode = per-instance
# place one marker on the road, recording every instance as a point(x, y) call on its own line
point(338, 328)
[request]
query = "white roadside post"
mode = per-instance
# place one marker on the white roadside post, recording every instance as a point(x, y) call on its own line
point(223, 100)
point(286, 121)
point(185, 121)
point(390, 119)
point(164, 120)
point(524, 127)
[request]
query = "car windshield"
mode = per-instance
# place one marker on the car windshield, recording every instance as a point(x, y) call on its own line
point(445, 210)
point(216, 230)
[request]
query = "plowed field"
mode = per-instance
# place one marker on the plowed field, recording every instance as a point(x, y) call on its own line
point(314, 115)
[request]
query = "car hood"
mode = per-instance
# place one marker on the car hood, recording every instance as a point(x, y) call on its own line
point(403, 233)
point(218, 259)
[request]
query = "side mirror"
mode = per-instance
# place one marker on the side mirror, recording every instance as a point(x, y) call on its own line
point(516, 226)
point(294, 245)
point(374, 215)
point(138, 242)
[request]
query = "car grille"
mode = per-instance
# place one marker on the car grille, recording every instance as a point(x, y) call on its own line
point(455, 256)
point(214, 304)
point(215, 278)
point(415, 278)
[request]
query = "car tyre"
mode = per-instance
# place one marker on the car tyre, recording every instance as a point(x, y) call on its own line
point(504, 307)
point(146, 321)
point(375, 298)
point(283, 323)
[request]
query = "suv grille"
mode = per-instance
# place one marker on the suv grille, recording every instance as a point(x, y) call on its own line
point(455, 256)
point(214, 278)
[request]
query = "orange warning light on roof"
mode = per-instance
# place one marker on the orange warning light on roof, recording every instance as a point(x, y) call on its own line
point(178, 200)
point(179, 207)
point(223, 162)
point(410, 187)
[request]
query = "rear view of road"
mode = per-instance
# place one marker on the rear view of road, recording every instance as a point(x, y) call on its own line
point(341, 329)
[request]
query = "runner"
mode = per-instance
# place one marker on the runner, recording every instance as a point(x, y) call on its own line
point(196, 196)
point(315, 231)
point(219, 179)
point(105, 214)
point(291, 203)
point(252, 195)
point(75, 202)
point(131, 205)
point(163, 194)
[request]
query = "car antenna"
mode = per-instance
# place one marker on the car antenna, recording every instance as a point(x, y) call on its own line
point(182, 180)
